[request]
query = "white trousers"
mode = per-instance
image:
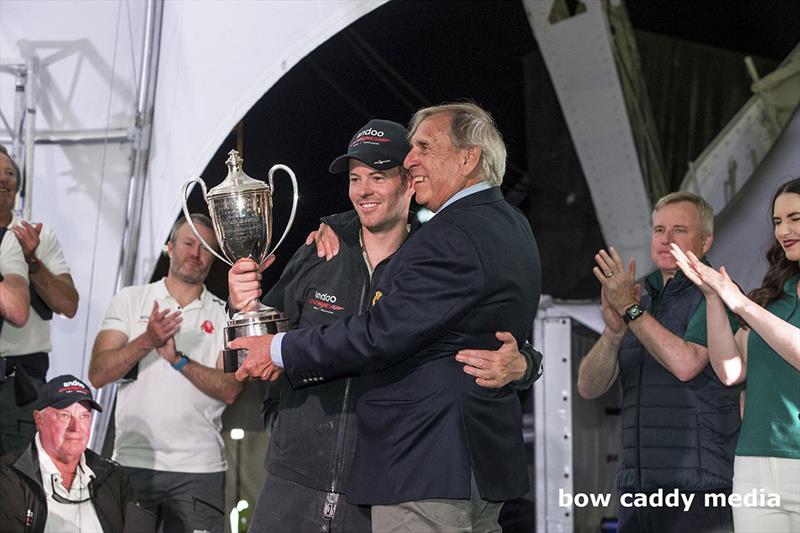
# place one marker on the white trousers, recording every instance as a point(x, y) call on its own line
point(767, 475)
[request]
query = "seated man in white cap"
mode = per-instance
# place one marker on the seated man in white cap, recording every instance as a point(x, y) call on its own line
point(56, 483)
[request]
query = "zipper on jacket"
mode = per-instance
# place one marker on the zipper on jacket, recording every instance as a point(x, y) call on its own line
point(332, 497)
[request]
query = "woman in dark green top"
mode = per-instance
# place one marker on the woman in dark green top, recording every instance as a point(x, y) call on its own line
point(767, 354)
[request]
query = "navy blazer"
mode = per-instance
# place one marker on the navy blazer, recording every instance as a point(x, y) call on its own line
point(423, 422)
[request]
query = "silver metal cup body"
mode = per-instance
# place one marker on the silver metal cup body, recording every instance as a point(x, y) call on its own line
point(241, 213)
point(243, 223)
point(267, 321)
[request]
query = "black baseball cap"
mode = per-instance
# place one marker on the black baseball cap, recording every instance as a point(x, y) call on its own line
point(381, 144)
point(63, 391)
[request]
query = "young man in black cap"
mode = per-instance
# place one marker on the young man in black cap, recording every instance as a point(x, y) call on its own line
point(56, 483)
point(313, 442)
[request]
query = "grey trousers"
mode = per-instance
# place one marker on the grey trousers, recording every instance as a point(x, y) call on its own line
point(183, 503)
point(475, 515)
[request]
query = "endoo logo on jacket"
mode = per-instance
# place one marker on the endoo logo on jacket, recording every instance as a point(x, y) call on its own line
point(322, 301)
point(207, 326)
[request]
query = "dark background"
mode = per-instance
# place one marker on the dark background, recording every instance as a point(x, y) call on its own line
point(409, 54)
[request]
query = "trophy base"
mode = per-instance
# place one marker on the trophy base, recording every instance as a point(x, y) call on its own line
point(252, 323)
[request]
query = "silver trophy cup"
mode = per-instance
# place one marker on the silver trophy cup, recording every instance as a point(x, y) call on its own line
point(241, 212)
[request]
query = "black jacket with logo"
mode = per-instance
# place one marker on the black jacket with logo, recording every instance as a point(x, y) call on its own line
point(23, 506)
point(313, 440)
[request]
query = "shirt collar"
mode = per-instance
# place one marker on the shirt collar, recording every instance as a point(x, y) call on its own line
point(472, 189)
point(656, 281)
point(790, 287)
point(48, 468)
point(163, 293)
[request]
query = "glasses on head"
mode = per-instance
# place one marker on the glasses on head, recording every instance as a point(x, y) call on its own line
point(63, 499)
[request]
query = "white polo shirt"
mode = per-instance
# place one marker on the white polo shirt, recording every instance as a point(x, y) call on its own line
point(63, 517)
point(164, 422)
point(34, 336)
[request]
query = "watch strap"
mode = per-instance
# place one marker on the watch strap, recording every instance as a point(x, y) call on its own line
point(180, 363)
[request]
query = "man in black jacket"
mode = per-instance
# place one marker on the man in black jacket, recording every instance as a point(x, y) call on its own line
point(433, 446)
point(313, 441)
point(56, 482)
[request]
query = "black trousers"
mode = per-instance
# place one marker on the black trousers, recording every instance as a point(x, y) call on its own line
point(285, 506)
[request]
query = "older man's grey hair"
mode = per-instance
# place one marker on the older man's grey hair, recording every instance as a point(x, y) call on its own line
point(470, 125)
point(705, 210)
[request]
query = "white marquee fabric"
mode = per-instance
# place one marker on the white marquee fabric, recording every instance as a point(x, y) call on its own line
point(90, 58)
point(217, 59)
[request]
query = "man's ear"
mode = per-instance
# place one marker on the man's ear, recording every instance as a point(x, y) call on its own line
point(707, 241)
point(471, 157)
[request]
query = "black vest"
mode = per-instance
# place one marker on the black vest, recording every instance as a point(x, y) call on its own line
point(674, 434)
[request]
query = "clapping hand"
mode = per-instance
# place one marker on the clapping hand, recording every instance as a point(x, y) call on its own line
point(710, 281)
point(28, 236)
point(620, 289)
point(162, 325)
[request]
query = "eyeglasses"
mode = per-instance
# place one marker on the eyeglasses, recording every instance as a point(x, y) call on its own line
point(62, 499)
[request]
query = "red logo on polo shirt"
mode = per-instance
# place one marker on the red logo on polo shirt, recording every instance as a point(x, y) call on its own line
point(207, 326)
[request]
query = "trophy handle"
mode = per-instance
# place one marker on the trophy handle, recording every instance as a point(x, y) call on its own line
point(294, 201)
point(187, 215)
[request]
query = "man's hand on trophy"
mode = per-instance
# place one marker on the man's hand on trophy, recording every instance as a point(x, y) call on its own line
point(326, 240)
point(162, 325)
point(244, 283)
point(257, 363)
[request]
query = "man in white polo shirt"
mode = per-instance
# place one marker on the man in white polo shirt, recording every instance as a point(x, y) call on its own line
point(168, 420)
point(25, 346)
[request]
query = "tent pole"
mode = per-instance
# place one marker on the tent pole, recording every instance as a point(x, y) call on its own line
point(145, 103)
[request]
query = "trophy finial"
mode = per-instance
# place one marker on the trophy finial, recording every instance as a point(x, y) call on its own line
point(234, 162)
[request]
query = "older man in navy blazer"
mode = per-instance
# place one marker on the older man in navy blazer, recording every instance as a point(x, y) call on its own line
point(435, 451)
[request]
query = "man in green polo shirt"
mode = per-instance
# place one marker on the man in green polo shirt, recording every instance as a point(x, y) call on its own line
point(679, 422)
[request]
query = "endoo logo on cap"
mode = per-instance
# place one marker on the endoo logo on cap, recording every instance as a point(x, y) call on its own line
point(371, 131)
point(73, 386)
point(370, 135)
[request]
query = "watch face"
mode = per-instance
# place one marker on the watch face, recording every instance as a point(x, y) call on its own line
point(633, 312)
point(33, 267)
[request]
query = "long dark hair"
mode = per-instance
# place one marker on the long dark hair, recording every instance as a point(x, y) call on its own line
point(780, 269)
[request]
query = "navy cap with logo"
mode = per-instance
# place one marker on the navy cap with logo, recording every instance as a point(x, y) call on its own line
point(381, 144)
point(63, 391)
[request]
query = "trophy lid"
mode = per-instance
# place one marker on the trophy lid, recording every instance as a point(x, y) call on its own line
point(236, 181)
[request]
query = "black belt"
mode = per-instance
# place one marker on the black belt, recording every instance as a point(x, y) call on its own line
point(35, 364)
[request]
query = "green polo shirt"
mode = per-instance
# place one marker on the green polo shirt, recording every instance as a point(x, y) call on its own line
point(771, 424)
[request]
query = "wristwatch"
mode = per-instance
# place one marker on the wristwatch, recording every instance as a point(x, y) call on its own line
point(180, 363)
point(33, 266)
point(632, 313)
